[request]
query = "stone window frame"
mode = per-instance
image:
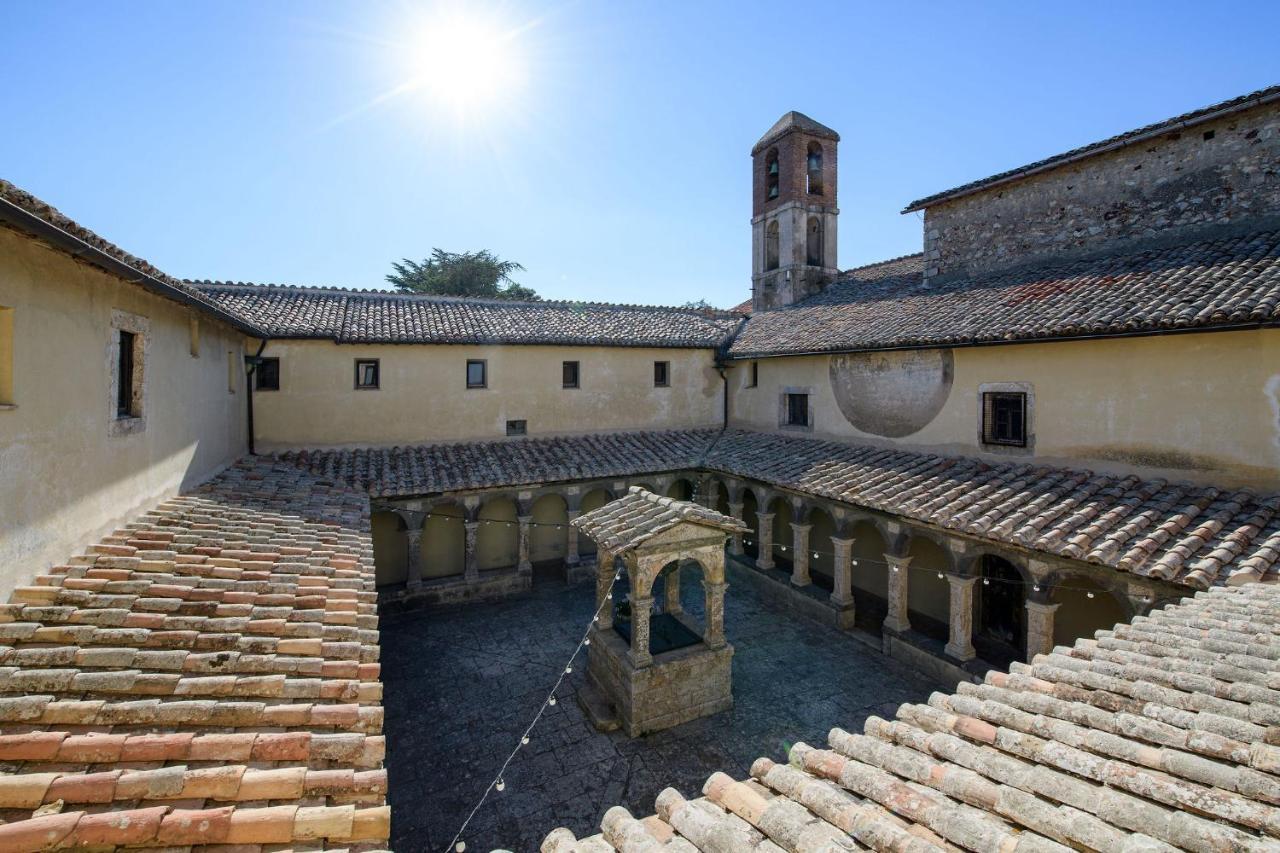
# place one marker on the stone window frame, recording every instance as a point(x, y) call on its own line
point(783, 408)
point(564, 375)
point(665, 381)
point(140, 328)
point(484, 374)
point(1027, 389)
point(377, 374)
point(753, 374)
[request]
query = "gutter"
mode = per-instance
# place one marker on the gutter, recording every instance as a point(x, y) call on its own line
point(1123, 142)
point(253, 361)
point(27, 221)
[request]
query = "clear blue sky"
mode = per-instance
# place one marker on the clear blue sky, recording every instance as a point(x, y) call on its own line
point(249, 140)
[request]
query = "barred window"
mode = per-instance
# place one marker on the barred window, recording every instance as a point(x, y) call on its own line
point(798, 410)
point(569, 374)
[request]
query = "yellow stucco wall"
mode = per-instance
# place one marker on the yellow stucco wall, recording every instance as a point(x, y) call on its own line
point(423, 396)
point(64, 478)
point(1202, 406)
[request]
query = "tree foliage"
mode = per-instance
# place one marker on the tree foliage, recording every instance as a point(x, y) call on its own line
point(479, 274)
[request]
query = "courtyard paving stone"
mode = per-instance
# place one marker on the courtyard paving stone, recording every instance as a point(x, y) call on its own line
point(463, 682)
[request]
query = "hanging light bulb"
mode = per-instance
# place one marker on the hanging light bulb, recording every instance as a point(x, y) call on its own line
point(552, 701)
point(815, 555)
point(524, 741)
point(1035, 588)
point(587, 641)
point(783, 547)
point(460, 846)
point(853, 562)
point(501, 785)
point(939, 575)
point(568, 669)
point(986, 581)
point(1089, 595)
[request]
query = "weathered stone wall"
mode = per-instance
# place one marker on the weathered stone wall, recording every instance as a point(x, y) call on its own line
point(1220, 173)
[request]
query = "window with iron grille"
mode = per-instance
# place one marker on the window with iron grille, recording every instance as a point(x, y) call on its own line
point(520, 427)
point(753, 374)
point(1004, 418)
point(367, 378)
point(661, 374)
point(798, 410)
point(266, 375)
point(569, 374)
point(477, 373)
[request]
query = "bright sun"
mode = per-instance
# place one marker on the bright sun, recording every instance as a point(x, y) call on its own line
point(465, 61)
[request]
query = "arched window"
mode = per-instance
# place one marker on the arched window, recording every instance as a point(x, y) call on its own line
point(813, 242)
point(771, 175)
point(813, 169)
point(771, 246)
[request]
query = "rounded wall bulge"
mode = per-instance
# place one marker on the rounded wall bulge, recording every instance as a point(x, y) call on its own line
point(891, 394)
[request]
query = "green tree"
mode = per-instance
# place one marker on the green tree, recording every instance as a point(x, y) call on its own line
point(479, 274)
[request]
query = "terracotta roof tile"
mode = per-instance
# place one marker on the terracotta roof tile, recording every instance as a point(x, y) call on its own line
point(639, 515)
point(1209, 284)
point(231, 677)
point(1047, 757)
point(368, 316)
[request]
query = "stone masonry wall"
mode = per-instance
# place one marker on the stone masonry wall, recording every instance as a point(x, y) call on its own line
point(1221, 173)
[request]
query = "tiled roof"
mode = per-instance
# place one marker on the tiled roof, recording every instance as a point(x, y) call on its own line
point(21, 209)
point(794, 121)
point(1157, 735)
point(1231, 281)
point(1131, 137)
point(639, 515)
point(206, 675)
point(433, 468)
point(1193, 535)
point(356, 316)
point(1198, 536)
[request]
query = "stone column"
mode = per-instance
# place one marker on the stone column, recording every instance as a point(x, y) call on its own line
point(571, 557)
point(896, 620)
point(960, 645)
point(800, 560)
point(671, 594)
point(842, 591)
point(735, 541)
point(523, 566)
point(414, 541)
point(471, 571)
point(1039, 628)
point(714, 634)
point(640, 610)
point(764, 540)
point(604, 583)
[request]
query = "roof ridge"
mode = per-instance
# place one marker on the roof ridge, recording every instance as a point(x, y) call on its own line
point(905, 257)
point(470, 300)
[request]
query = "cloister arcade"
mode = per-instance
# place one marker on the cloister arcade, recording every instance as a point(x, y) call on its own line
point(967, 601)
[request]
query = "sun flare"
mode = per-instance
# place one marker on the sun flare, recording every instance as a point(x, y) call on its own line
point(465, 61)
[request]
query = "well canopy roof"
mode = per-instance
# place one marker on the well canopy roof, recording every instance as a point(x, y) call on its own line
point(640, 515)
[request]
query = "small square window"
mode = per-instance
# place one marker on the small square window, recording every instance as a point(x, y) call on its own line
point(798, 410)
point(367, 374)
point(1004, 418)
point(661, 374)
point(267, 375)
point(569, 374)
point(477, 373)
point(517, 427)
point(753, 374)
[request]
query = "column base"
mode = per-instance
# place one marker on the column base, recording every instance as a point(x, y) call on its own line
point(801, 581)
point(961, 653)
point(764, 565)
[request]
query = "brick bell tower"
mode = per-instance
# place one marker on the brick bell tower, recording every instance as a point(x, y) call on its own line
point(793, 212)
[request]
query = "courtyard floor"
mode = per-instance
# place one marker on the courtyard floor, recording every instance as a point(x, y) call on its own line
point(462, 683)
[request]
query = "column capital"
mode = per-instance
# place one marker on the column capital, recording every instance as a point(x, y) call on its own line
point(801, 527)
point(896, 562)
point(843, 542)
point(1042, 607)
point(524, 519)
point(764, 515)
point(961, 580)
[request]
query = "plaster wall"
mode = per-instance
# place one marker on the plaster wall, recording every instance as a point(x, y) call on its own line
point(68, 473)
point(1202, 407)
point(423, 396)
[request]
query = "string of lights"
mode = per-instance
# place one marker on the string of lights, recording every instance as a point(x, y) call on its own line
point(818, 553)
point(499, 783)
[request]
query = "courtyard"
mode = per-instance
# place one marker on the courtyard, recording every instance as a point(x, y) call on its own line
point(463, 682)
